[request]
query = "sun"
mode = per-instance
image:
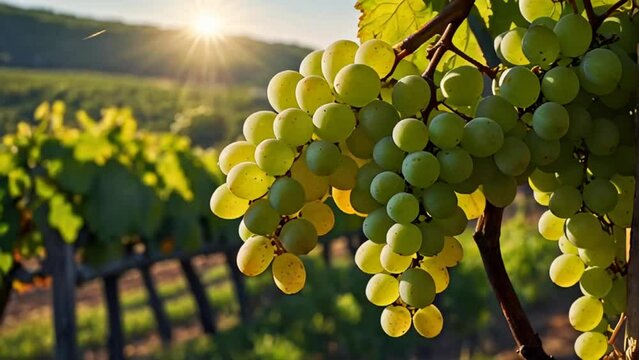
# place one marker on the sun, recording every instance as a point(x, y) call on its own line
point(206, 26)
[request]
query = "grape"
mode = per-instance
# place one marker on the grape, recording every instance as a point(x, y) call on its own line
point(585, 313)
point(584, 231)
point(452, 252)
point(323, 157)
point(566, 246)
point(315, 187)
point(411, 94)
point(542, 152)
point(320, 215)
point(519, 86)
point(462, 85)
point(428, 322)
point(367, 259)
point(580, 122)
point(333, 122)
point(455, 165)
point(403, 207)
point(410, 135)
point(600, 196)
point(416, 288)
point(545, 21)
point(543, 181)
point(498, 109)
point(289, 273)
point(437, 271)
point(501, 190)
point(395, 320)
point(550, 226)
point(392, 262)
point(574, 34)
point(382, 289)
point(224, 204)
point(534, 9)
point(235, 153)
point(385, 185)
point(293, 126)
point(566, 270)
point(420, 169)
point(286, 196)
point(432, 239)
point(542, 198)
point(247, 181)
point(510, 46)
point(342, 199)
point(405, 68)
point(445, 130)
point(565, 202)
point(560, 84)
point(281, 90)
point(602, 68)
point(357, 84)
point(376, 225)
point(454, 224)
point(275, 157)
point(261, 218)
point(622, 213)
point(255, 255)
point(298, 236)
point(601, 255)
point(362, 201)
point(482, 137)
point(618, 294)
point(311, 65)
point(259, 127)
point(336, 56)
point(591, 346)
point(378, 119)
point(312, 92)
point(550, 121)
point(378, 55)
point(540, 45)
point(243, 232)
point(404, 239)
point(596, 282)
point(603, 138)
point(484, 169)
point(387, 155)
point(344, 177)
point(359, 144)
point(367, 173)
point(514, 156)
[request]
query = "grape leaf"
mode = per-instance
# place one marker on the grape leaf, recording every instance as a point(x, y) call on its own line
point(500, 15)
point(63, 218)
point(472, 204)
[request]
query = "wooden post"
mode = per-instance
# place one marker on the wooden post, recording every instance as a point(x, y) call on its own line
point(115, 342)
point(240, 285)
point(161, 318)
point(199, 293)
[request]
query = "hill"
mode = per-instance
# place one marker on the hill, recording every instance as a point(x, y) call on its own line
point(46, 40)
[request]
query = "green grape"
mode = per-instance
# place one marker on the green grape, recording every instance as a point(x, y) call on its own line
point(542, 198)
point(585, 313)
point(501, 190)
point(224, 204)
point(452, 252)
point(259, 127)
point(293, 126)
point(462, 85)
point(367, 173)
point(484, 169)
point(378, 55)
point(344, 177)
point(311, 65)
point(395, 320)
point(323, 157)
point(428, 322)
point(432, 239)
point(420, 169)
point(567, 247)
point(315, 187)
point(455, 165)
point(565, 201)
point(534, 9)
point(410, 135)
point(261, 218)
point(445, 130)
point(571, 174)
point(584, 231)
point(624, 159)
point(560, 84)
point(497, 47)
point(629, 70)
point(416, 288)
point(357, 84)
point(275, 157)
point(602, 167)
point(387, 155)
point(298, 236)
point(602, 68)
point(382, 289)
point(404, 239)
point(550, 121)
point(362, 201)
point(334, 122)
point(376, 225)
point(255, 255)
point(289, 273)
point(378, 119)
point(411, 94)
point(392, 262)
point(596, 282)
point(385, 185)
point(281, 90)
point(467, 186)
point(540, 45)
point(600, 196)
point(510, 46)
point(602, 255)
point(336, 56)
point(320, 215)
point(367, 258)
point(482, 137)
point(580, 122)
point(437, 271)
point(545, 21)
point(359, 144)
point(618, 294)
point(439, 200)
point(550, 226)
point(603, 138)
point(235, 153)
point(574, 34)
point(312, 92)
point(542, 152)
point(565, 158)
point(543, 181)
point(243, 232)
point(247, 181)
point(514, 156)
point(403, 207)
point(286, 196)
point(566, 270)
point(591, 346)
point(519, 86)
point(405, 68)
point(454, 224)
point(622, 213)
point(498, 109)
point(623, 27)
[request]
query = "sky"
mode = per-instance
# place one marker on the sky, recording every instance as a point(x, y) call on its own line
point(305, 22)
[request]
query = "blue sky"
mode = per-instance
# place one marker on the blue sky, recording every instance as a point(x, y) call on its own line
point(307, 22)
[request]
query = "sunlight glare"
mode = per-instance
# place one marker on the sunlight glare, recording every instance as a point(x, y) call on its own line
point(207, 26)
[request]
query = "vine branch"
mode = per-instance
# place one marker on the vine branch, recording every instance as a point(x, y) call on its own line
point(596, 20)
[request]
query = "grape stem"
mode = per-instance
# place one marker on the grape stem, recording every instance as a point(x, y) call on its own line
point(596, 20)
point(490, 72)
point(573, 4)
point(615, 332)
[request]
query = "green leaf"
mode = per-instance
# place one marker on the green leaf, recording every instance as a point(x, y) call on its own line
point(93, 148)
point(63, 218)
point(6, 261)
point(500, 15)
